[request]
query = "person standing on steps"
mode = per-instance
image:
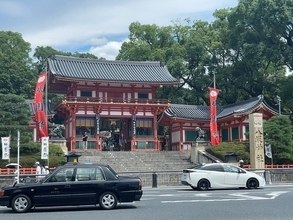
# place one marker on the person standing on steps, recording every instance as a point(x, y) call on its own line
point(84, 139)
point(122, 142)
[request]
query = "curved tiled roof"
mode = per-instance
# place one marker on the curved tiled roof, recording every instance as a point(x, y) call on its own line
point(110, 71)
point(203, 112)
point(189, 111)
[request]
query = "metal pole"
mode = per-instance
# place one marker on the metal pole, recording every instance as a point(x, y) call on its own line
point(46, 109)
point(18, 140)
point(214, 80)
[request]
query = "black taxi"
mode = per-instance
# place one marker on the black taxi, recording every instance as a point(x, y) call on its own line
point(73, 184)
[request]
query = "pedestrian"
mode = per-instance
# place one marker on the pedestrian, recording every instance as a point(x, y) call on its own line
point(47, 170)
point(122, 142)
point(38, 171)
point(163, 142)
point(84, 139)
point(241, 163)
point(16, 174)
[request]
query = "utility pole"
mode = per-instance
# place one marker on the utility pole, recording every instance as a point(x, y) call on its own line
point(279, 104)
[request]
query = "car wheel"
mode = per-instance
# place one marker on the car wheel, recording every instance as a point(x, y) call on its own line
point(252, 184)
point(203, 185)
point(21, 203)
point(108, 200)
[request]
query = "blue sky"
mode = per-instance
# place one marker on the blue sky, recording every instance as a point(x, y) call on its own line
point(95, 26)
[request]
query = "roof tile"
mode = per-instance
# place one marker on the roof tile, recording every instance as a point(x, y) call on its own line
point(111, 71)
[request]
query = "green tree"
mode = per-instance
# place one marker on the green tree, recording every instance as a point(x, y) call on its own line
point(15, 115)
point(278, 133)
point(166, 44)
point(261, 33)
point(17, 74)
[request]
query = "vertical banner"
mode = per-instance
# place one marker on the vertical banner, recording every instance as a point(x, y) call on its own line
point(45, 148)
point(213, 93)
point(5, 148)
point(98, 123)
point(134, 124)
point(40, 114)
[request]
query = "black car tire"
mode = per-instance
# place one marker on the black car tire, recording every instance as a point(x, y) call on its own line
point(203, 185)
point(252, 184)
point(21, 203)
point(108, 200)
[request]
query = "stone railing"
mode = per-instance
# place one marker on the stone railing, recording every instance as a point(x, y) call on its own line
point(172, 178)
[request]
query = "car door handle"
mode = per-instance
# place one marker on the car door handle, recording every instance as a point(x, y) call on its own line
point(67, 186)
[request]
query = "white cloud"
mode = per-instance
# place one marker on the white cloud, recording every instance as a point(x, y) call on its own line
point(98, 25)
point(108, 50)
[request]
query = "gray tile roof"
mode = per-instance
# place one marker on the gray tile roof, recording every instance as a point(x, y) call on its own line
point(188, 111)
point(203, 112)
point(111, 71)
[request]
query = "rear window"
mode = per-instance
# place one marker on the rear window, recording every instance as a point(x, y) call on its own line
point(110, 173)
point(196, 166)
point(213, 167)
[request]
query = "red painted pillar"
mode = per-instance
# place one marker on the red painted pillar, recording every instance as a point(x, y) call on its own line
point(181, 136)
point(156, 142)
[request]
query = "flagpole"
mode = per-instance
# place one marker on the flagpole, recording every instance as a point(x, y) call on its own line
point(18, 137)
point(46, 107)
point(214, 80)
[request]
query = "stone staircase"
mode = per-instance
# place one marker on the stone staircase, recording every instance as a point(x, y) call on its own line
point(139, 161)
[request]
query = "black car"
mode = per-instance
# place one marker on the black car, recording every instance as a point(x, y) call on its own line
point(73, 184)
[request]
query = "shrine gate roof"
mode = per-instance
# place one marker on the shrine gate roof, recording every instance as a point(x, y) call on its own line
point(203, 112)
point(64, 67)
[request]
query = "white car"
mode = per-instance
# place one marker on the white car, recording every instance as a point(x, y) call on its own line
point(220, 175)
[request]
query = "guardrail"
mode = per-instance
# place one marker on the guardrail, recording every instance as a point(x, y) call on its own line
point(170, 178)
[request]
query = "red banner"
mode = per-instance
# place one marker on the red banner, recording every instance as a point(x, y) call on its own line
point(213, 92)
point(41, 118)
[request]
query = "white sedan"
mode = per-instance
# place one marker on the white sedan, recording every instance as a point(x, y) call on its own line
point(220, 175)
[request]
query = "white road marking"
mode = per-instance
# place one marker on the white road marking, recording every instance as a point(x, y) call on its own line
point(244, 196)
point(276, 194)
point(203, 195)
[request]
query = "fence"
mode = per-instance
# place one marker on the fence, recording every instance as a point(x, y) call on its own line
point(171, 178)
point(29, 170)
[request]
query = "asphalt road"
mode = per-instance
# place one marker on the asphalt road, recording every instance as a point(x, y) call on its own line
point(270, 202)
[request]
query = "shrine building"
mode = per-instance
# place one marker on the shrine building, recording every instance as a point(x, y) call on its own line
point(232, 121)
point(110, 99)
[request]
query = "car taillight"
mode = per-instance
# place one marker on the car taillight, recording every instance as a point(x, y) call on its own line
point(2, 192)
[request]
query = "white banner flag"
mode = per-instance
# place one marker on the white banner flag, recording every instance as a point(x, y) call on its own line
point(5, 148)
point(268, 150)
point(45, 148)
